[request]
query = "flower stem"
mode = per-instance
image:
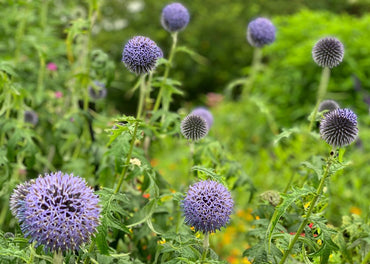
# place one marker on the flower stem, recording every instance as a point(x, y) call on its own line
point(255, 67)
point(205, 246)
point(124, 170)
point(309, 212)
point(325, 76)
point(141, 96)
point(165, 76)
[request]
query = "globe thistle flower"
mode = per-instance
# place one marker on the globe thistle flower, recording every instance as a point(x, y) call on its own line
point(99, 93)
point(194, 127)
point(58, 211)
point(328, 52)
point(205, 114)
point(339, 127)
point(31, 117)
point(260, 32)
point(140, 55)
point(175, 17)
point(17, 200)
point(328, 105)
point(207, 206)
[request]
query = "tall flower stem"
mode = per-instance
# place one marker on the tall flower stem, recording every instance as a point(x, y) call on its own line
point(325, 76)
point(124, 170)
point(166, 101)
point(205, 246)
point(255, 67)
point(141, 96)
point(309, 212)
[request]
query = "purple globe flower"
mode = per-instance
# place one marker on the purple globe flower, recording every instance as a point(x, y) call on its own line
point(175, 17)
point(328, 52)
point(140, 55)
point(58, 211)
point(339, 127)
point(205, 114)
point(207, 206)
point(260, 32)
point(31, 117)
point(97, 92)
point(194, 127)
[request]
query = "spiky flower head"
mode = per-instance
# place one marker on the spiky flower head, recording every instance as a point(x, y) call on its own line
point(339, 127)
point(140, 55)
point(175, 17)
point(328, 52)
point(31, 117)
point(328, 105)
point(260, 32)
point(207, 206)
point(58, 211)
point(194, 127)
point(97, 92)
point(205, 114)
point(17, 200)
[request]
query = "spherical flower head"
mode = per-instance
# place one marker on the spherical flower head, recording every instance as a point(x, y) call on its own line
point(97, 92)
point(328, 105)
point(205, 114)
point(17, 200)
point(339, 127)
point(175, 17)
point(61, 212)
point(31, 117)
point(140, 55)
point(328, 52)
point(207, 206)
point(194, 127)
point(260, 32)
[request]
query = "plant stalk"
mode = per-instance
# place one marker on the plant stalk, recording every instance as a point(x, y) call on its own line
point(124, 170)
point(205, 246)
point(141, 96)
point(325, 76)
point(165, 76)
point(309, 212)
point(255, 67)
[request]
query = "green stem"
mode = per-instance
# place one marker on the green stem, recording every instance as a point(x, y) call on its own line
point(325, 76)
point(166, 73)
point(124, 170)
point(309, 212)
point(141, 96)
point(289, 183)
point(205, 246)
point(40, 78)
point(44, 13)
point(91, 248)
point(366, 258)
point(255, 67)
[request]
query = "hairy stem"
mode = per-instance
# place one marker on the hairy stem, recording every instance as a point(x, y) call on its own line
point(309, 212)
point(325, 76)
point(205, 246)
point(124, 170)
point(165, 76)
point(255, 67)
point(142, 96)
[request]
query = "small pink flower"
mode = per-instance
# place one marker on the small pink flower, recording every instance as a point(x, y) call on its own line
point(213, 99)
point(58, 94)
point(52, 66)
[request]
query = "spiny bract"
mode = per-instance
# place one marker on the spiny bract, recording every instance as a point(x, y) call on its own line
point(194, 127)
point(328, 52)
point(339, 127)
